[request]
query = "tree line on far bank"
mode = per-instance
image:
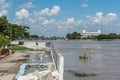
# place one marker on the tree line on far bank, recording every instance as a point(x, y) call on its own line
point(76, 35)
point(108, 36)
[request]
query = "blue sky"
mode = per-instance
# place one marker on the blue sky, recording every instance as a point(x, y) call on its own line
point(59, 17)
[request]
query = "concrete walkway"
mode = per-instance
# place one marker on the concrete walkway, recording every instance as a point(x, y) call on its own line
point(10, 64)
point(7, 76)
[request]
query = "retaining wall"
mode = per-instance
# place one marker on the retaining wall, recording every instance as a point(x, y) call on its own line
point(58, 59)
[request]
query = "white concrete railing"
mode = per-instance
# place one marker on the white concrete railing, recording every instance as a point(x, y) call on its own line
point(33, 44)
point(58, 59)
point(30, 44)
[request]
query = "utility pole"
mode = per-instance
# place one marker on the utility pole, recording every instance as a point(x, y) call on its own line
point(42, 29)
point(10, 39)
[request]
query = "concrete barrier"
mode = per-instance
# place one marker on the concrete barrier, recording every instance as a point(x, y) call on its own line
point(58, 59)
point(34, 44)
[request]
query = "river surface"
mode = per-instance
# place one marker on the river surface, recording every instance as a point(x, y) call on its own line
point(104, 59)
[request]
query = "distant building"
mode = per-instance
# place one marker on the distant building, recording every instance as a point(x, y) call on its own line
point(90, 33)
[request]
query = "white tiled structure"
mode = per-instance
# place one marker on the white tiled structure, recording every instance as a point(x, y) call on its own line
point(91, 33)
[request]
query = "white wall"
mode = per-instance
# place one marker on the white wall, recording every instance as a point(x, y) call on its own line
point(58, 59)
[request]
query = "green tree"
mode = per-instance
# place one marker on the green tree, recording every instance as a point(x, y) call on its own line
point(34, 36)
point(107, 36)
point(3, 41)
point(4, 25)
point(14, 31)
point(112, 36)
point(69, 36)
point(74, 35)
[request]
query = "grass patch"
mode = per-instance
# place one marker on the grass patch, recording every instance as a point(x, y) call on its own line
point(16, 47)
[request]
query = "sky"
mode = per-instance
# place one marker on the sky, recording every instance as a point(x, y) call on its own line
point(59, 17)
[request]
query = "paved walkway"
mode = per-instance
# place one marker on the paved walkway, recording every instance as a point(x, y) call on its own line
point(9, 65)
point(7, 76)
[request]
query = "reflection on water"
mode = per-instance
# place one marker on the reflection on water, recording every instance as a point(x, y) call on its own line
point(104, 59)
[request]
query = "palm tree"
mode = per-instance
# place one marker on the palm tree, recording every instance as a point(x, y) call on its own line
point(3, 41)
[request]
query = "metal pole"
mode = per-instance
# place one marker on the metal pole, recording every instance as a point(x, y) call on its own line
point(11, 39)
point(42, 28)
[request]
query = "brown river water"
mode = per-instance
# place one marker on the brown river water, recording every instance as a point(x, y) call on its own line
point(104, 59)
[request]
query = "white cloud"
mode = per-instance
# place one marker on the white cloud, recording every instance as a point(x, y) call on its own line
point(22, 14)
point(68, 24)
point(40, 18)
point(27, 5)
point(79, 22)
point(99, 19)
point(31, 21)
point(43, 17)
point(70, 21)
point(45, 12)
point(61, 25)
point(37, 18)
point(110, 17)
point(54, 11)
point(4, 4)
point(99, 15)
point(49, 12)
point(3, 12)
point(45, 22)
point(4, 7)
point(95, 19)
point(23, 17)
point(52, 21)
point(84, 5)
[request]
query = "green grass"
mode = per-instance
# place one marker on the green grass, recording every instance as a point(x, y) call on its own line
point(16, 47)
